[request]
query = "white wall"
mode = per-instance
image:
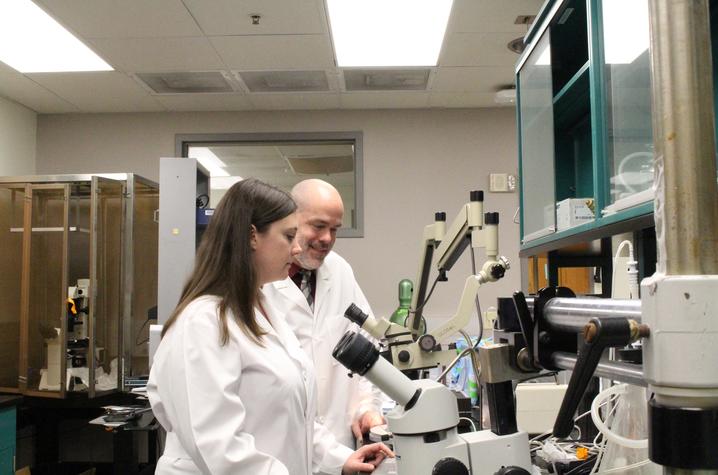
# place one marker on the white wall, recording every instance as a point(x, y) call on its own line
point(415, 163)
point(18, 127)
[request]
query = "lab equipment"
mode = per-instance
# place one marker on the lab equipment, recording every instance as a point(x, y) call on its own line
point(409, 347)
point(79, 253)
point(424, 423)
point(406, 290)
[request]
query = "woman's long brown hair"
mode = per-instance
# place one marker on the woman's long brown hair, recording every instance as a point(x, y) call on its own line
point(223, 264)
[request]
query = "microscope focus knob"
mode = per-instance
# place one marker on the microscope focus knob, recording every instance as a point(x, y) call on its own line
point(427, 342)
point(498, 271)
point(404, 356)
point(449, 466)
point(512, 470)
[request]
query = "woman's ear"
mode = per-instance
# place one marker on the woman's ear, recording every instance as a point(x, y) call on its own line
point(253, 237)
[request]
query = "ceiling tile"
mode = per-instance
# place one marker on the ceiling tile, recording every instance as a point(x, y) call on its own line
point(99, 92)
point(478, 49)
point(123, 18)
point(308, 101)
point(23, 90)
point(159, 54)
point(463, 100)
point(384, 100)
point(491, 15)
point(481, 79)
point(206, 102)
point(277, 52)
point(229, 17)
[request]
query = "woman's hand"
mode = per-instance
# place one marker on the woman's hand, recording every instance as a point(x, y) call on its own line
point(366, 459)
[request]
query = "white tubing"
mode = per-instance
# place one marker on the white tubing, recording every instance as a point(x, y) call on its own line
point(601, 425)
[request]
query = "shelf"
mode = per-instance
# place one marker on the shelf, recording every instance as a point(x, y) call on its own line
point(632, 219)
point(572, 101)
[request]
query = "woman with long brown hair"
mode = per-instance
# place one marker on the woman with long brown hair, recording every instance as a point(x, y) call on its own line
point(230, 383)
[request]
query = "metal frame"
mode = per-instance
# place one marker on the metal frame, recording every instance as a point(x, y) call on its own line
point(182, 141)
point(38, 182)
point(633, 218)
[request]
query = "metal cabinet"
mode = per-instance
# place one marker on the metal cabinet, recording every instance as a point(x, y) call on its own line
point(584, 107)
point(80, 255)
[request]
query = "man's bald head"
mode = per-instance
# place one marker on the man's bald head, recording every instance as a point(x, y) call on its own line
point(313, 192)
point(320, 211)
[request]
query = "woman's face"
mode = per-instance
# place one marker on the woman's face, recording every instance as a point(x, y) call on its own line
point(274, 249)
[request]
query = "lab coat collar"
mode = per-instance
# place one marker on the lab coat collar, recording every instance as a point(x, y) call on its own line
point(279, 329)
point(324, 283)
point(289, 289)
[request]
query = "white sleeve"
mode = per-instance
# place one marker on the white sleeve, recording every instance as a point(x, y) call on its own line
point(209, 414)
point(329, 455)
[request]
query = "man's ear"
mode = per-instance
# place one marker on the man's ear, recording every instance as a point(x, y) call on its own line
point(253, 237)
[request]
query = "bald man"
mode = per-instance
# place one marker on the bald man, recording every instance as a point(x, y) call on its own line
point(320, 287)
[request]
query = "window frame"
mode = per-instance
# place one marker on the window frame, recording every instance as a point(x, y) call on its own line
point(184, 141)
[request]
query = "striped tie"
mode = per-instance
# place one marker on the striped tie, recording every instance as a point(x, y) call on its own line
point(306, 287)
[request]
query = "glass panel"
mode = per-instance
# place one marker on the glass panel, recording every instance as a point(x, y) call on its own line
point(47, 307)
point(628, 105)
point(11, 223)
point(105, 275)
point(78, 287)
point(144, 279)
point(282, 164)
point(537, 145)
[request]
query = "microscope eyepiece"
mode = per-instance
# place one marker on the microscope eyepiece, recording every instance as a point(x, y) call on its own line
point(356, 353)
point(356, 315)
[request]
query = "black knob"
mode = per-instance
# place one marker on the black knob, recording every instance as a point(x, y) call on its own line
point(404, 356)
point(427, 342)
point(512, 470)
point(449, 466)
point(440, 216)
point(476, 195)
point(497, 271)
point(491, 218)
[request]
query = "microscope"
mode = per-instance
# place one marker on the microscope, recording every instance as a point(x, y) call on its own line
point(407, 349)
point(424, 422)
point(423, 425)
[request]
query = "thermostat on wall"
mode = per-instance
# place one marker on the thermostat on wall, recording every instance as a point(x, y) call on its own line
point(502, 182)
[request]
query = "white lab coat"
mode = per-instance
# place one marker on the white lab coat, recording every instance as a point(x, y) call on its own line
point(341, 399)
point(239, 408)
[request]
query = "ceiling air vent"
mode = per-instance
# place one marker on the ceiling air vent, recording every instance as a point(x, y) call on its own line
point(386, 79)
point(285, 81)
point(186, 83)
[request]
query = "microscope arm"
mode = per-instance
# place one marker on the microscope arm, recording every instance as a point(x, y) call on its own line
point(467, 223)
point(433, 234)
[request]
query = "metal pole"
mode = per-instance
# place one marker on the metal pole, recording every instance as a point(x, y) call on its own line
point(683, 135)
point(623, 372)
point(572, 314)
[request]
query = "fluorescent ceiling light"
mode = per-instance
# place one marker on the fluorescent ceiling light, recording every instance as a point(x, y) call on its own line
point(375, 33)
point(208, 160)
point(33, 42)
point(625, 30)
